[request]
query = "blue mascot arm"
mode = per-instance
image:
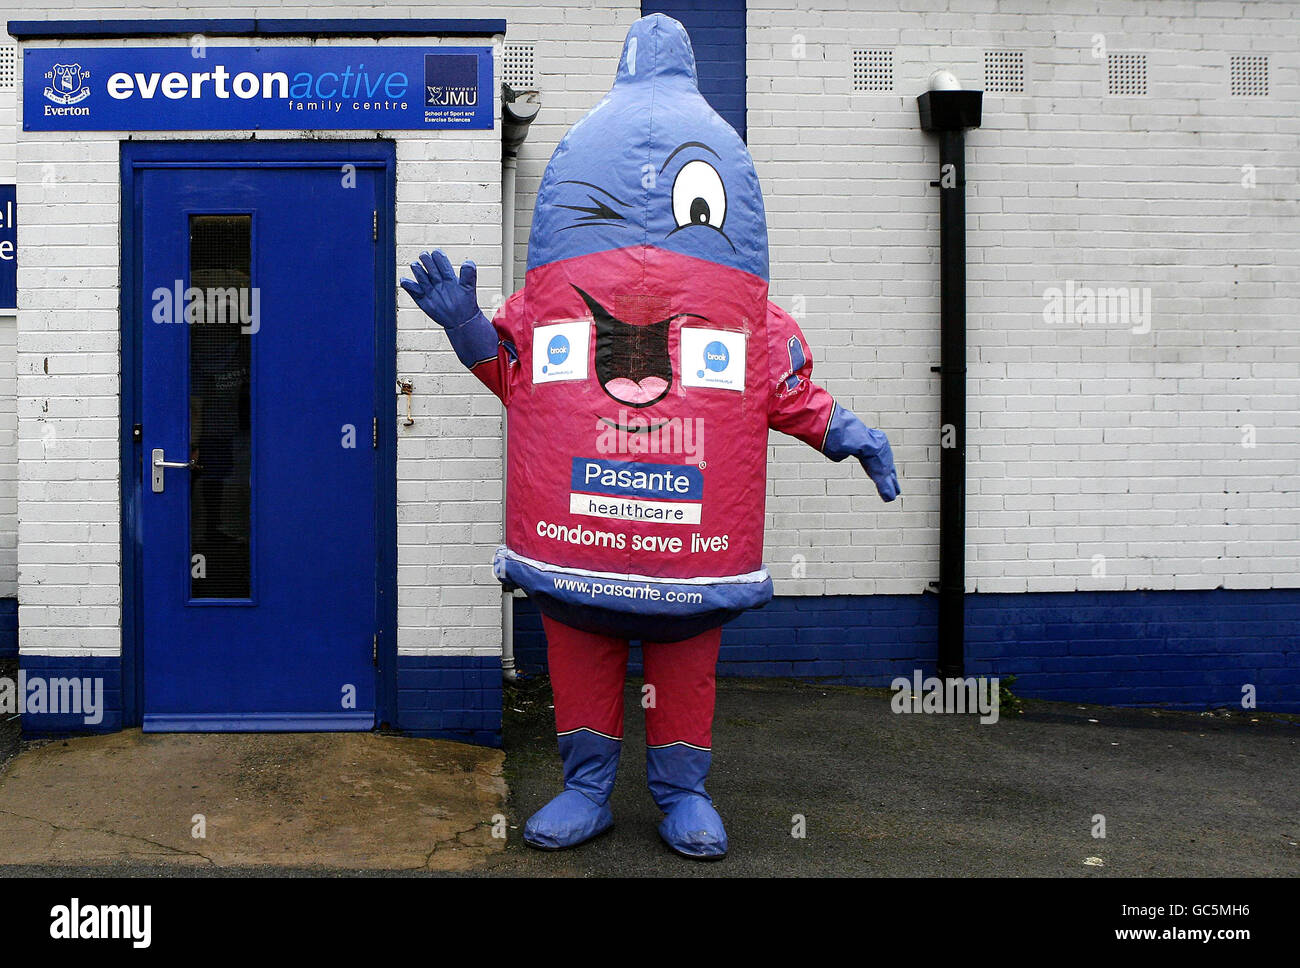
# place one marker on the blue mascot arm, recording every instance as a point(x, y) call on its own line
point(848, 436)
point(452, 303)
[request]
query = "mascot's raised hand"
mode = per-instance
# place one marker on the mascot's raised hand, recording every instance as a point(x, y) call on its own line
point(451, 301)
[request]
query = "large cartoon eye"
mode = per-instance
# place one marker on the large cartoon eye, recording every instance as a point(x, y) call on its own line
point(698, 196)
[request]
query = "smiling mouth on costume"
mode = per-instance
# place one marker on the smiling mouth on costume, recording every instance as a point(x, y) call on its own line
point(634, 430)
point(632, 362)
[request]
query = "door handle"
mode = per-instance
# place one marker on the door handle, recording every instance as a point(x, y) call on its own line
point(159, 463)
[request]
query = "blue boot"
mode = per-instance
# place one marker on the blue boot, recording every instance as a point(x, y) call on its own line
point(691, 826)
point(582, 810)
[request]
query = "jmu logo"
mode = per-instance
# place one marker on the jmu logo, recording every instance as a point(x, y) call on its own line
point(450, 80)
point(451, 96)
point(67, 84)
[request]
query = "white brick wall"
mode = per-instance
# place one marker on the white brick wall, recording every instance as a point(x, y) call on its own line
point(1084, 440)
point(449, 462)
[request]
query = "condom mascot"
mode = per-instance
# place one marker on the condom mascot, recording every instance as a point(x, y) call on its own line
point(641, 366)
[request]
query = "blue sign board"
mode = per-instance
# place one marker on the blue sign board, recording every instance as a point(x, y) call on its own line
point(266, 88)
point(8, 248)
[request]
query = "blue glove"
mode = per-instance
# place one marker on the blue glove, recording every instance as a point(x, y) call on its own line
point(880, 468)
point(848, 436)
point(448, 301)
point(452, 303)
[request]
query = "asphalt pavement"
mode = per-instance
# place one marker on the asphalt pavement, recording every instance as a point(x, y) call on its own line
point(885, 794)
point(816, 780)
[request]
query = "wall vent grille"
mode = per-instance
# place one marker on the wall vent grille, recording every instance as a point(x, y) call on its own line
point(517, 67)
point(1126, 74)
point(873, 69)
point(1248, 74)
point(1004, 71)
point(8, 67)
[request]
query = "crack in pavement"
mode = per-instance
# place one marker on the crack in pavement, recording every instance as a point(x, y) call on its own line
point(456, 835)
point(112, 833)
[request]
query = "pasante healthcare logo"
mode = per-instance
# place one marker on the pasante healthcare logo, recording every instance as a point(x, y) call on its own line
point(636, 491)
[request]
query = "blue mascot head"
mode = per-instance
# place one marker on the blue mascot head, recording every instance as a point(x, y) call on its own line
point(652, 165)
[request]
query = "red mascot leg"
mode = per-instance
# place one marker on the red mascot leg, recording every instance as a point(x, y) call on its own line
point(679, 738)
point(684, 676)
point(587, 673)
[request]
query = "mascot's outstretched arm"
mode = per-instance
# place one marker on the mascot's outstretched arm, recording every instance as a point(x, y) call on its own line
point(451, 301)
point(807, 411)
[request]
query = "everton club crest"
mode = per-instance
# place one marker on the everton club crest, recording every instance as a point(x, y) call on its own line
point(67, 84)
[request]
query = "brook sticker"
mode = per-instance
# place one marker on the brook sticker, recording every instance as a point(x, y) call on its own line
point(560, 351)
point(713, 358)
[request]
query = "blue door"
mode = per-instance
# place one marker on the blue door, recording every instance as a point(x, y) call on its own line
point(257, 290)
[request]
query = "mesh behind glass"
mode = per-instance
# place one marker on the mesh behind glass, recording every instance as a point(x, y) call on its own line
point(220, 358)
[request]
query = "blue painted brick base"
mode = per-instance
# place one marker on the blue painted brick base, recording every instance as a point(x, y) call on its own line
point(107, 668)
point(452, 697)
point(1186, 650)
point(1180, 649)
point(8, 628)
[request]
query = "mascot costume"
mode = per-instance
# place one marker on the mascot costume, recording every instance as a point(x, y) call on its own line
point(641, 366)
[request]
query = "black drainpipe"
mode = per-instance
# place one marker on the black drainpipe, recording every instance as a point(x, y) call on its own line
point(949, 113)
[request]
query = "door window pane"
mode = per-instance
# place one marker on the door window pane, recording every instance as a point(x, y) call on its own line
point(220, 326)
